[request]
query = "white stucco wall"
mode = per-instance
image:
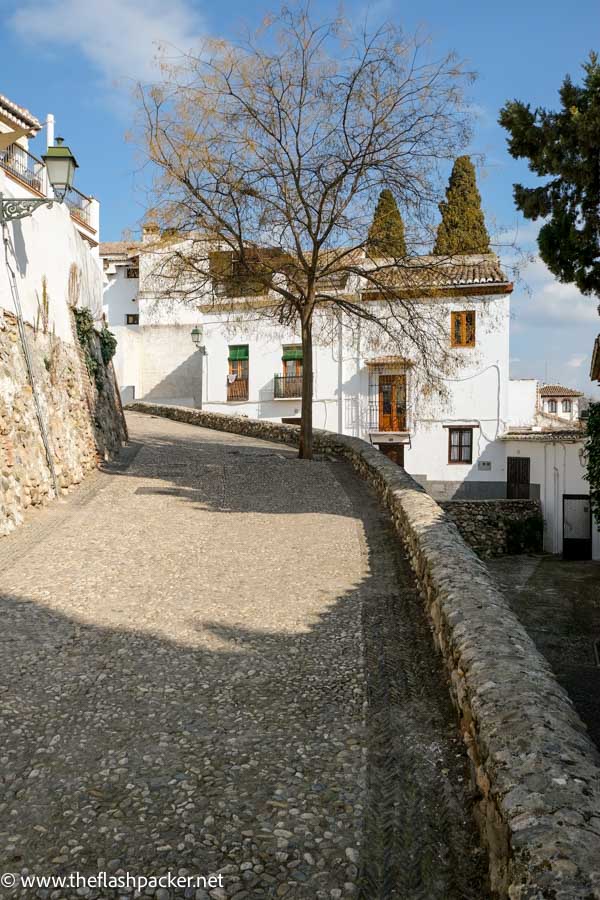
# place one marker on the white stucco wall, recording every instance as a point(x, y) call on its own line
point(522, 401)
point(120, 295)
point(556, 467)
point(46, 244)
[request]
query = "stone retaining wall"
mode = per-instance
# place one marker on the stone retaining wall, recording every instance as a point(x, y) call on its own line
point(83, 417)
point(537, 772)
point(497, 527)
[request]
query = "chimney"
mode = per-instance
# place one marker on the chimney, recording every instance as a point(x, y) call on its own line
point(49, 130)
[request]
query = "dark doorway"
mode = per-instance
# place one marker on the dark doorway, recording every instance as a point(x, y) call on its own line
point(395, 452)
point(517, 477)
point(577, 526)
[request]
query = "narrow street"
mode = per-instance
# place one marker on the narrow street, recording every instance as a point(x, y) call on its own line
point(214, 660)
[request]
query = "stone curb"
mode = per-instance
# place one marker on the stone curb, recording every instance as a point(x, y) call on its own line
point(536, 769)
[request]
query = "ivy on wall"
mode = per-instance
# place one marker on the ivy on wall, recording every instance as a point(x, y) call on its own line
point(592, 453)
point(86, 333)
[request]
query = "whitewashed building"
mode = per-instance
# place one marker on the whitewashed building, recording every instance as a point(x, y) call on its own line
point(40, 249)
point(455, 446)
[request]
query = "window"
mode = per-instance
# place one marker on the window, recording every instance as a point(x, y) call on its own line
point(463, 328)
point(566, 406)
point(460, 445)
point(132, 319)
point(292, 360)
point(132, 272)
point(551, 406)
point(237, 378)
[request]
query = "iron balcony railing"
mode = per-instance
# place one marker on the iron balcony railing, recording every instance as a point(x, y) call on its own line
point(18, 161)
point(285, 386)
point(238, 389)
point(79, 204)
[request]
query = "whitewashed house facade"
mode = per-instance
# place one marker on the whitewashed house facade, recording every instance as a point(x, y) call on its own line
point(253, 367)
point(457, 446)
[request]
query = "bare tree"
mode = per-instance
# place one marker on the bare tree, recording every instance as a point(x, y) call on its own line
point(269, 154)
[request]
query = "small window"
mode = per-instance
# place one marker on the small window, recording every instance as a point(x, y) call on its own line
point(463, 328)
point(132, 272)
point(566, 406)
point(292, 360)
point(132, 319)
point(551, 406)
point(460, 445)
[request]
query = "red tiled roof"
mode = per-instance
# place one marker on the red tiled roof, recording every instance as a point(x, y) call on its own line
point(120, 248)
point(557, 390)
point(18, 114)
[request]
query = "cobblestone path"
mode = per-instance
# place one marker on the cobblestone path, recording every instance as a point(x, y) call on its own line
point(213, 660)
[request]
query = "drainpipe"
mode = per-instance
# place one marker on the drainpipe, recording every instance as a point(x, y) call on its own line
point(340, 376)
point(557, 514)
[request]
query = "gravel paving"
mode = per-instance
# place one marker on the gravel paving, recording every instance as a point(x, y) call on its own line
point(200, 676)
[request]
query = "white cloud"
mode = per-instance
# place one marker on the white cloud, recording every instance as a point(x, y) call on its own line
point(549, 303)
point(119, 37)
point(577, 361)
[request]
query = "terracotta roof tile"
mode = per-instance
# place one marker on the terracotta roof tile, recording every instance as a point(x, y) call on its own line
point(557, 390)
point(18, 114)
point(120, 248)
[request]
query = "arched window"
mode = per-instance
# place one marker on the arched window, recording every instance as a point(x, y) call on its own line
point(566, 406)
point(551, 406)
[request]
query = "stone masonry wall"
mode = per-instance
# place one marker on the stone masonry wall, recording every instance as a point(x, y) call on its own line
point(84, 423)
point(535, 768)
point(497, 527)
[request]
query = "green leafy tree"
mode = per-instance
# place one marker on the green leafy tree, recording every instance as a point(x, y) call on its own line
point(386, 234)
point(462, 229)
point(592, 453)
point(563, 145)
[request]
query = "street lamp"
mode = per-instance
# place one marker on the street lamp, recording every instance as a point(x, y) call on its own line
point(60, 166)
point(196, 336)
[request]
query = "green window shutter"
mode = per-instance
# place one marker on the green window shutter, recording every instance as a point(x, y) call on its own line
point(239, 351)
point(291, 351)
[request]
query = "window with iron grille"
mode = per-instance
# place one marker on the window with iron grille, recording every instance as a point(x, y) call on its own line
point(566, 406)
point(462, 328)
point(552, 406)
point(132, 272)
point(460, 445)
point(132, 319)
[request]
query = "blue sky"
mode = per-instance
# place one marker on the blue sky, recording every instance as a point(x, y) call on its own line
point(79, 58)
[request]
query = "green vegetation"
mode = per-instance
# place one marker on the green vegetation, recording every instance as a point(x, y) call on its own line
point(108, 345)
point(563, 145)
point(462, 229)
point(386, 234)
point(84, 324)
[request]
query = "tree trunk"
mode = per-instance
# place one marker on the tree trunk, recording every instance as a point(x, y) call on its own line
point(306, 436)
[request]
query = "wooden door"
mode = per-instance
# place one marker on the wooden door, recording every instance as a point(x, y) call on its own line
point(395, 452)
point(392, 402)
point(517, 477)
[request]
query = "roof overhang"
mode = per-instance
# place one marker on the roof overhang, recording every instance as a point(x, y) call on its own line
point(17, 117)
point(595, 367)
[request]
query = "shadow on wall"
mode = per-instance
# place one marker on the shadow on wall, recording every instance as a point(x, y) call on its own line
point(19, 247)
point(181, 386)
point(473, 486)
point(230, 702)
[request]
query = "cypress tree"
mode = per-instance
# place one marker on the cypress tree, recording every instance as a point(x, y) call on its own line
point(386, 234)
point(462, 229)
